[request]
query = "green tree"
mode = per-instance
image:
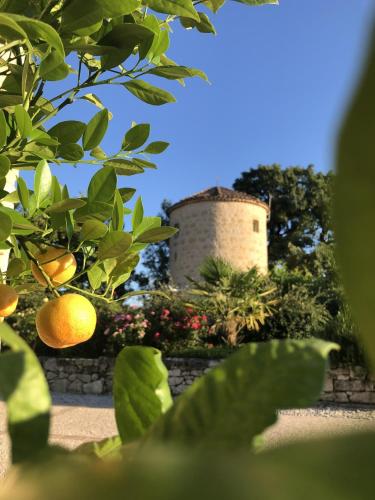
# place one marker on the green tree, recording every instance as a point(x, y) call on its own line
point(155, 259)
point(300, 200)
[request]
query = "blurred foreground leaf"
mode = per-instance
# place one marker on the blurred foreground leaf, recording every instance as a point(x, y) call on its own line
point(25, 390)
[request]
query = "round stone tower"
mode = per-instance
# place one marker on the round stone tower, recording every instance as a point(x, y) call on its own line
point(222, 223)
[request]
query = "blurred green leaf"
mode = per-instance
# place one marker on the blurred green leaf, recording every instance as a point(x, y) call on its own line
point(21, 225)
point(126, 193)
point(148, 93)
point(355, 203)
point(4, 165)
point(16, 266)
point(106, 448)
point(140, 390)
point(25, 389)
point(95, 130)
point(118, 212)
point(234, 402)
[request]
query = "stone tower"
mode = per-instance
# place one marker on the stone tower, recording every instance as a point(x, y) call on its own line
point(222, 223)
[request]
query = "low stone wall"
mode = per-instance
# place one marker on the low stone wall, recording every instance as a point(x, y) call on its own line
point(94, 376)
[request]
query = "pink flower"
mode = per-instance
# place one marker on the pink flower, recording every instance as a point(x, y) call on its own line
point(156, 335)
point(178, 324)
point(134, 306)
point(195, 326)
point(189, 310)
point(204, 317)
point(128, 317)
point(145, 323)
point(137, 316)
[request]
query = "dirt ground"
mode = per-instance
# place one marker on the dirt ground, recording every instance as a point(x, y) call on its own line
point(77, 419)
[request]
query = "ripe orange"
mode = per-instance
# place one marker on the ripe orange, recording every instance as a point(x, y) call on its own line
point(66, 321)
point(57, 263)
point(8, 300)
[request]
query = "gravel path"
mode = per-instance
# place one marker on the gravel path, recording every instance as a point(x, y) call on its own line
point(77, 419)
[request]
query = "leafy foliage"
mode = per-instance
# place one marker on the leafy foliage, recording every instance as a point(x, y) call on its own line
point(300, 200)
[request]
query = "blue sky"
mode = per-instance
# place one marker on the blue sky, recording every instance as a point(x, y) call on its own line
point(280, 79)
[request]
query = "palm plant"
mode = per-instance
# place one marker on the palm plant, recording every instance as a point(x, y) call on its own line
point(235, 299)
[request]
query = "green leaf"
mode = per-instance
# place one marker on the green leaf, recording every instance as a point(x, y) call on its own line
point(15, 267)
point(97, 210)
point(3, 129)
point(204, 24)
point(176, 7)
point(147, 224)
point(106, 448)
point(126, 194)
point(124, 266)
point(10, 100)
point(140, 390)
point(173, 72)
point(137, 213)
point(93, 230)
point(4, 166)
point(118, 212)
point(70, 152)
point(156, 147)
point(144, 163)
point(94, 99)
point(136, 137)
point(214, 5)
point(102, 185)
point(114, 244)
point(148, 93)
point(42, 182)
point(234, 402)
point(258, 2)
point(95, 130)
point(23, 193)
point(157, 234)
point(21, 225)
point(67, 131)
point(6, 225)
point(77, 16)
point(98, 153)
point(42, 137)
point(65, 205)
point(355, 204)
point(124, 167)
point(23, 121)
point(25, 389)
point(96, 275)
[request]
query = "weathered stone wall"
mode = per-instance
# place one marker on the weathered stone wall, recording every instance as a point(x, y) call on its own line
point(94, 376)
point(220, 229)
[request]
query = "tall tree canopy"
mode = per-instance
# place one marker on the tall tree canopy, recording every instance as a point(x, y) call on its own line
point(300, 200)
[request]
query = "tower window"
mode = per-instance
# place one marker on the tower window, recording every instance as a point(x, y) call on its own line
point(256, 226)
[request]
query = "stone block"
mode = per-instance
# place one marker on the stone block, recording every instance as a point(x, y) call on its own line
point(60, 385)
point(363, 397)
point(84, 377)
point(94, 376)
point(349, 385)
point(175, 380)
point(95, 387)
point(328, 385)
point(175, 372)
point(50, 364)
point(358, 372)
point(341, 397)
point(327, 396)
point(51, 375)
point(75, 387)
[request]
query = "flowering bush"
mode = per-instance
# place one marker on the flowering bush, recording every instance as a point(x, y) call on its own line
point(173, 327)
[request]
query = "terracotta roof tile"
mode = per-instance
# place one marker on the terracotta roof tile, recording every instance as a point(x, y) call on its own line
point(219, 194)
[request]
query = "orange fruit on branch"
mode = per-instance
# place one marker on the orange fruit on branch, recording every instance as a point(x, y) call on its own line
point(58, 264)
point(66, 321)
point(8, 300)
